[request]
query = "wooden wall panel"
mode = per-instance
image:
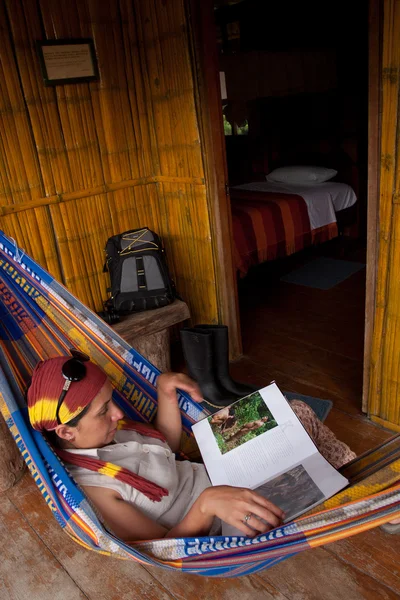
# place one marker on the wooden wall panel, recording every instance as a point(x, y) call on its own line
point(182, 217)
point(20, 177)
point(384, 404)
point(32, 230)
point(164, 39)
point(139, 204)
point(81, 162)
point(79, 233)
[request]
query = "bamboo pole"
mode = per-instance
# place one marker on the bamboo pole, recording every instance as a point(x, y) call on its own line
point(100, 189)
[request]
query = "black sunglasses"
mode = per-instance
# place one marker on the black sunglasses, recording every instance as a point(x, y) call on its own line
point(73, 369)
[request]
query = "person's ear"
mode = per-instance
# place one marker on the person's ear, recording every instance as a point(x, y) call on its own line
point(65, 432)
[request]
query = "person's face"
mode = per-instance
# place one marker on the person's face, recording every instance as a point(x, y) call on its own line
point(98, 426)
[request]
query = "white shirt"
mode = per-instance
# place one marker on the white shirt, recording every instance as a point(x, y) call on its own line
point(152, 459)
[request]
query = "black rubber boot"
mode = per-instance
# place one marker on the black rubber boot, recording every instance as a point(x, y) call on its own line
point(221, 361)
point(198, 352)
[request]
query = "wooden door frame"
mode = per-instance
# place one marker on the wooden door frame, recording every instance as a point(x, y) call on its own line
point(374, 130)
point(202, 36)
point(209, 112)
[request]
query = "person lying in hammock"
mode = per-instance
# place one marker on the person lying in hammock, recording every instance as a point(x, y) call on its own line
point(128, 470)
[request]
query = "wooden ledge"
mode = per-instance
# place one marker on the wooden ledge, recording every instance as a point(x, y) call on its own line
point(148, 322)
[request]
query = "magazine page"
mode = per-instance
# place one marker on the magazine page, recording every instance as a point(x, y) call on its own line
point(253, 440)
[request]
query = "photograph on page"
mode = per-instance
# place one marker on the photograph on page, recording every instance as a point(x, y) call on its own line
point(294, 492)
point(239, 423)
point(299, 489)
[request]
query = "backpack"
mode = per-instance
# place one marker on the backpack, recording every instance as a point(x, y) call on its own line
point(138, 271)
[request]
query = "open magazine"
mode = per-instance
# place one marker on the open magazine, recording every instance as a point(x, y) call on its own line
point(259, 443)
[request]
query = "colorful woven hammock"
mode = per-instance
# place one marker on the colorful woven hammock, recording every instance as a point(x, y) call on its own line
point(39, 318)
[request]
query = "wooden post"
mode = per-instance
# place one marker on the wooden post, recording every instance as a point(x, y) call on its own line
point(155, 348)
point(148, 331)
point(12, 464)
point(209, 114)
point(374, 158)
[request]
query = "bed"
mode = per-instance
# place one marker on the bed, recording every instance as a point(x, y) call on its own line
point(274, 220)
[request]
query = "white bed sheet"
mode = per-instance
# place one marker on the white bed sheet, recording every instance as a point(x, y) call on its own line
point(323, 200)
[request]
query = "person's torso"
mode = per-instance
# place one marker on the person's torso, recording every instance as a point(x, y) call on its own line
point(152, 459)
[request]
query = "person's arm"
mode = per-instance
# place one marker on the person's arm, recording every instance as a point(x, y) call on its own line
point(230, 504)
point(168, 419)
point(124, 520)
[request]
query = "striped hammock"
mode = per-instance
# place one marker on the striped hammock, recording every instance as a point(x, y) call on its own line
point(39, 318)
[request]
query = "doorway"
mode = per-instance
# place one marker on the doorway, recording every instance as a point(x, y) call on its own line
point(239, 33)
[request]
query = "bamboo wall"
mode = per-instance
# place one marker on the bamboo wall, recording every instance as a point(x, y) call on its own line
point(81, 162)
point(384, 398)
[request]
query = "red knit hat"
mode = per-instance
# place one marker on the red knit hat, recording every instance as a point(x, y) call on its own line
point(46, 387)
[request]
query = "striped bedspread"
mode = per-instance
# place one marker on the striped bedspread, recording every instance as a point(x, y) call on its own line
point(269, 225)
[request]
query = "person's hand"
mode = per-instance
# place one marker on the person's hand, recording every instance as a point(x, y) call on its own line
point(232, 504)
point(168, 383)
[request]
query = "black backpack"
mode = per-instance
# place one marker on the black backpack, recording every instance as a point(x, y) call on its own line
point(139, 274)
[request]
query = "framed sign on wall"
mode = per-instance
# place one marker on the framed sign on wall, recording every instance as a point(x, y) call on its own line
point(67, 61)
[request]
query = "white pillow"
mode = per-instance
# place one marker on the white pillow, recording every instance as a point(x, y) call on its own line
point(301, 174)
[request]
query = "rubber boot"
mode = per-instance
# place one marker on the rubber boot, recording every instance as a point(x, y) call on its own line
point(221, 361)
point(198, 352)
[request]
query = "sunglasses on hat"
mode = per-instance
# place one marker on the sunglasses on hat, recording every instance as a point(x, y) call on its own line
point(73, 369)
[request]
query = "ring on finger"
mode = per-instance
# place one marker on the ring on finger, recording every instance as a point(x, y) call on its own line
point(247, 518)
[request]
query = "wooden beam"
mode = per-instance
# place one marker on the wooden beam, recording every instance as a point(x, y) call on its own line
point(209, 114)
point(8, 209)
point(374, 105)
point(385, 423)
